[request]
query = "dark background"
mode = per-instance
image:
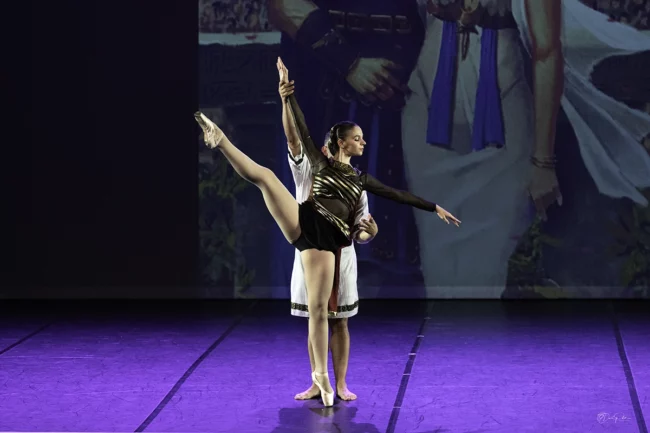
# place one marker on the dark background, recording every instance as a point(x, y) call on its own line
point(99, 155)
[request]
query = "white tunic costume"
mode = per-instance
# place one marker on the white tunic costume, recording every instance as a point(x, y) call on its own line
point(348, 295)
point(487, 189)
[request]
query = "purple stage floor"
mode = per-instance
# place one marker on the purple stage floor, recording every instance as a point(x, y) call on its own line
point(447, 367)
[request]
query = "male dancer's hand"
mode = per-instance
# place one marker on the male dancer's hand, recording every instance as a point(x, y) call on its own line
point(369, 226)
point(285, 89)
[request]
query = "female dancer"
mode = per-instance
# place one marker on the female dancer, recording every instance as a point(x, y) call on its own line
point(344, 299)
point(320, 226)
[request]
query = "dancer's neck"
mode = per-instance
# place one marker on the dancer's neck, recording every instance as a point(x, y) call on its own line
point(340, 157)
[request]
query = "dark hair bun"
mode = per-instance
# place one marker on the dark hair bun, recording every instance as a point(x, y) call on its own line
point(339, 131)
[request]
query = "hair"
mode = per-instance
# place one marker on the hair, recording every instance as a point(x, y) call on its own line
point(339, 131)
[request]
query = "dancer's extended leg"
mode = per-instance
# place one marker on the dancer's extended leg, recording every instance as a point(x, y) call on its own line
point(278, 199)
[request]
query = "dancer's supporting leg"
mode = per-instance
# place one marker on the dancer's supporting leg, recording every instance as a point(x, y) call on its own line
point(313, 390)
point(340, 348)
point(319, 278)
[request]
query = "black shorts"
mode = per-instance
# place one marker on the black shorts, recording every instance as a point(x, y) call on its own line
point(317, 232)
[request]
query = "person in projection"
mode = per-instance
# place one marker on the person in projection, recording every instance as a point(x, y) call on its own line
point(473, 121)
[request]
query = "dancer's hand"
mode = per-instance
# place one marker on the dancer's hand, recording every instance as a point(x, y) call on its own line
point(369, 226)
point(326, 151)
point(373, 79)
point(446, 216)
point(283, 72)
point(285, 89)
point(544, 189)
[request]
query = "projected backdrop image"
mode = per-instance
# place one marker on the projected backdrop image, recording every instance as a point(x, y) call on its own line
point(454, 98)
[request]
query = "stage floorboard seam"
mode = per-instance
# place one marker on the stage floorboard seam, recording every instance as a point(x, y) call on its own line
point(152, 416)
point(399, 398)
point(25, 338)
point(629, 377)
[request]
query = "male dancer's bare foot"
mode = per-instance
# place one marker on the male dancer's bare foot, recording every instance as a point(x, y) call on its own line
point(212, 134)
point(312, 392)
point(344, 393)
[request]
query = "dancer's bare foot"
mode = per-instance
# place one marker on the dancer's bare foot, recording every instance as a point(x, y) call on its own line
point(312, 392)
point(344, 393)
point(212, 134)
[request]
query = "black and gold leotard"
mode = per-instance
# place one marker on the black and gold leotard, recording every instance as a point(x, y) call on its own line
point(337, 187)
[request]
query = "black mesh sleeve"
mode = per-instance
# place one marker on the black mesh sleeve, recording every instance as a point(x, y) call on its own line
point(315, 156)
point(372, 185)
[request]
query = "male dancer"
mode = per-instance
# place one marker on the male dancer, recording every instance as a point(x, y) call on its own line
point(348, 297)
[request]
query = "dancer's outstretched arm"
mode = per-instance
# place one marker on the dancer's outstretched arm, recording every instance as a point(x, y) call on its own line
point(376, 187)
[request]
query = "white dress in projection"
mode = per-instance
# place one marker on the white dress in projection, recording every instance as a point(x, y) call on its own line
point(348, 295)
point(487, 189)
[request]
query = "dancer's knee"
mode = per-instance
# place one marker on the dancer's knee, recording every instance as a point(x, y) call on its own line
point(263, 178)
point(339, 325)
point(318, 310)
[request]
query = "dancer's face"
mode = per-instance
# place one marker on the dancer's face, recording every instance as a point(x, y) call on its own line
point(353, 143)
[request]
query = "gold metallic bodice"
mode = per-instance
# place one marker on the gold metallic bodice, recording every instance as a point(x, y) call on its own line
point(337, 184)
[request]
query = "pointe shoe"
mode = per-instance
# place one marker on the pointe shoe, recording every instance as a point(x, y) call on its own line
point(327, 397)
point(212, 134)
point(202, 120)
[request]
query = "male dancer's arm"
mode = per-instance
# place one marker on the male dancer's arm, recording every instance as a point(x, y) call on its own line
point(293, 139)
point(293, 121)
point(301, 173)
point(301, 168)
